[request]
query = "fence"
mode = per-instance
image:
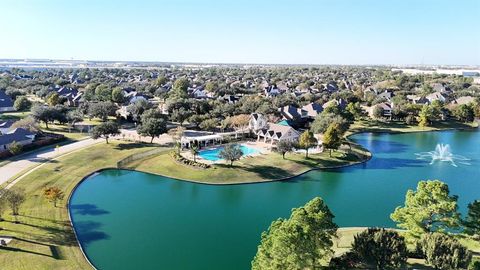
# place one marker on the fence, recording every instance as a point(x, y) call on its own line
point(129, 159)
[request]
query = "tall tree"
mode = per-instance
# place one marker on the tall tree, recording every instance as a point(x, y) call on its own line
point(332, 138)
point(117, 95)
point(194, 151)
point(385, 249)
point(300, 242)
point(105, 130)
point(153, 124)
point(284, 147)
point(306, 141)
point(428, 209)
point(14, 198)
point(22, 103)
point(43, 114)
point(444, 252)
point(180, 88)
point(472, 221)
point(231, 152)
point(102, 110)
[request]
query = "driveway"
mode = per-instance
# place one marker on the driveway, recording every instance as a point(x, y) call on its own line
point(37, 158)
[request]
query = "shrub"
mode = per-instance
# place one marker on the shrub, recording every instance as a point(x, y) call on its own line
point(444, 252)
point(382, 248)
point(179, 158)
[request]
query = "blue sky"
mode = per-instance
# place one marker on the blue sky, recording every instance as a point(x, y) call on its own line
point(244, 31)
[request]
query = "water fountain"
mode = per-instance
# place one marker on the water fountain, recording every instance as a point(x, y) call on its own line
point(443, 153)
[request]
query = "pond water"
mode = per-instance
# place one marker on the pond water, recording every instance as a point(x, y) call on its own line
point(133, 220)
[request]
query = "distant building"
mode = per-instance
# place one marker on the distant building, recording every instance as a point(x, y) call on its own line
point(275, 133)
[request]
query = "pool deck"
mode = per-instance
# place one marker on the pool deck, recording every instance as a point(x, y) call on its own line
point(261, 147)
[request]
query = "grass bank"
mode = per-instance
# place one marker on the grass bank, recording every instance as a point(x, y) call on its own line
point(402, 127)
point(261, 168)
point(44, 239)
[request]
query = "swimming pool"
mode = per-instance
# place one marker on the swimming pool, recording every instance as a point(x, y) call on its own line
point(212, 154)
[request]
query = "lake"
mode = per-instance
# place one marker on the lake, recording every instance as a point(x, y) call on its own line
point(134, 220)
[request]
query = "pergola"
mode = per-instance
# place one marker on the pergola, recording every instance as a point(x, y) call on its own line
point(203, 140)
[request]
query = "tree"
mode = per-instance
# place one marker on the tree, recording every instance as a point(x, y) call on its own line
point(53, 99)
point(209, 124)
point(444, 252)
point(354, 109)
point(53, 194)
point(137, 108)
point(239, 122)
point(382, 248)
point(428, 209)
point(324, 120)
point(180, 88)
point(105, 130)
point(306, 141)
point(103, 92)
point(284, 146)
point(180, 115)
point(160, 81)
point(299, 242)
point(22, 103)
point(427, 114)
point(153, 124)
point(117, 95)
point(27, 123)
point(14, 198)
point(464, 113)
point(74, 116)
point(15, 148)
point(332, 138)
point(194, 150)
point(3, 204)
point(231, 152)
point(43, 114)
point(377, 112)
point(102, 110)
point(472, 221)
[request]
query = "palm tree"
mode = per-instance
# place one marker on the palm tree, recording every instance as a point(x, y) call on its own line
point(194, 151)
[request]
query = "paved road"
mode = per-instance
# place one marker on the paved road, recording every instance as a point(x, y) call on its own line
point(35, 159)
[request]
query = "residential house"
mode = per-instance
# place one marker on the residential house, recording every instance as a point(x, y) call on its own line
point(340, 103)
point(290, 112)
point(272, 91)
point(275, 133)
point(6, 126)
point(257, 122)
point(417, 99)
point(385, 106)
point(436, 96)
point(19, 135)
point(6, 103)
point(463, 100)
point(312, 109)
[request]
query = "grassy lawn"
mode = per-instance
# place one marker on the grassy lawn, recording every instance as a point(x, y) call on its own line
point(401, 127)
point(72, 135)
point(44, 239)
point(260, 168)
point(14, 115)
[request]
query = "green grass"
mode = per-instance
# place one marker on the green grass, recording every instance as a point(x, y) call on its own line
point(44, 239)
point(14, 115)
point(260, 168)
point(72, 135)
point(401, 127)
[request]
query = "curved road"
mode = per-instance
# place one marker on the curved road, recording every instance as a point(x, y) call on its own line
point(36, 159)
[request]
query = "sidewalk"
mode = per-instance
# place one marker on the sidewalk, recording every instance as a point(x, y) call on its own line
point(31, 160)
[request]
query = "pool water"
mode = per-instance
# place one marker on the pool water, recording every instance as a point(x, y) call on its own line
point(212, 154)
